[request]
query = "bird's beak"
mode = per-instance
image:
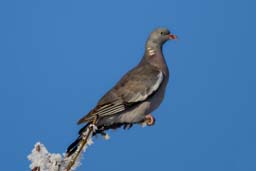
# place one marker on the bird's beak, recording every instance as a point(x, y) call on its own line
point(172, 36)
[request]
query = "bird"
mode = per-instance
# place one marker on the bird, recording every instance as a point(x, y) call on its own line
point(136, 95)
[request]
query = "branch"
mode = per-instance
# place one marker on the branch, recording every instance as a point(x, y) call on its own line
point(42, 160)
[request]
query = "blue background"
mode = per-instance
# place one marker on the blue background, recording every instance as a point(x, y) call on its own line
point(57, 58)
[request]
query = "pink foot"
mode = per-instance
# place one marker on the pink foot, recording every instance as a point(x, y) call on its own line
point(150, 120)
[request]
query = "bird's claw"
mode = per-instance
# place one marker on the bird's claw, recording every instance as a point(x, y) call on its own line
point(149, 120)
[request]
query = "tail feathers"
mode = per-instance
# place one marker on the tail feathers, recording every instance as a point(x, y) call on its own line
point(83, 129)
point(73, 147)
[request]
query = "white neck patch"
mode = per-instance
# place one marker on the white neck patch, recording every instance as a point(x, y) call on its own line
point(151, 51)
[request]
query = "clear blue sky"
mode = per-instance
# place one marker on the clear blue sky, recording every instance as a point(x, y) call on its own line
point(57, 58)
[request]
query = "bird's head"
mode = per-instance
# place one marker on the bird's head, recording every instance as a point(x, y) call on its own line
point(159, 36)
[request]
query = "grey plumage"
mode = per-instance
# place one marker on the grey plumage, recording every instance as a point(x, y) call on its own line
point(132, 90)
point(139, 92)
point(137, 89)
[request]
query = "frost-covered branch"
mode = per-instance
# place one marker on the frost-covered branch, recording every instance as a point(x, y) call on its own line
point(42, 160)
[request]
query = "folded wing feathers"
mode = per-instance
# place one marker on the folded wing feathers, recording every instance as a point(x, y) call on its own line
point(110, 110)
point(141, 97)
point(119, 106)
point(104, 110)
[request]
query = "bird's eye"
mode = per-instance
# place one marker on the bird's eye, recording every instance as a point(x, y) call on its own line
point(162, 33)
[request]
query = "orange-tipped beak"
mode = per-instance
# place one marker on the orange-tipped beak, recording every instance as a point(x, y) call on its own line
point(172, 36)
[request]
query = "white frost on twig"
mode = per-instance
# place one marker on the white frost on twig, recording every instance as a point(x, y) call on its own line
point(42, 160)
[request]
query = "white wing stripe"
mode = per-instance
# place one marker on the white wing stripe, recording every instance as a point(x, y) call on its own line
point(141, 97)
point(158, 82)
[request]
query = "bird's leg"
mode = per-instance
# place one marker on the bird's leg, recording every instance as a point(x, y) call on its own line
point(149, 120)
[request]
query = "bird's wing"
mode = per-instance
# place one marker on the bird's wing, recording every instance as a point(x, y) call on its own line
point(135, 87)
point(139, 84)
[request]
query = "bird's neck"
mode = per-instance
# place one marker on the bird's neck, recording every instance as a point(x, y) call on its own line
point(152, 48)
point(154, 55)
point(153, 51)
